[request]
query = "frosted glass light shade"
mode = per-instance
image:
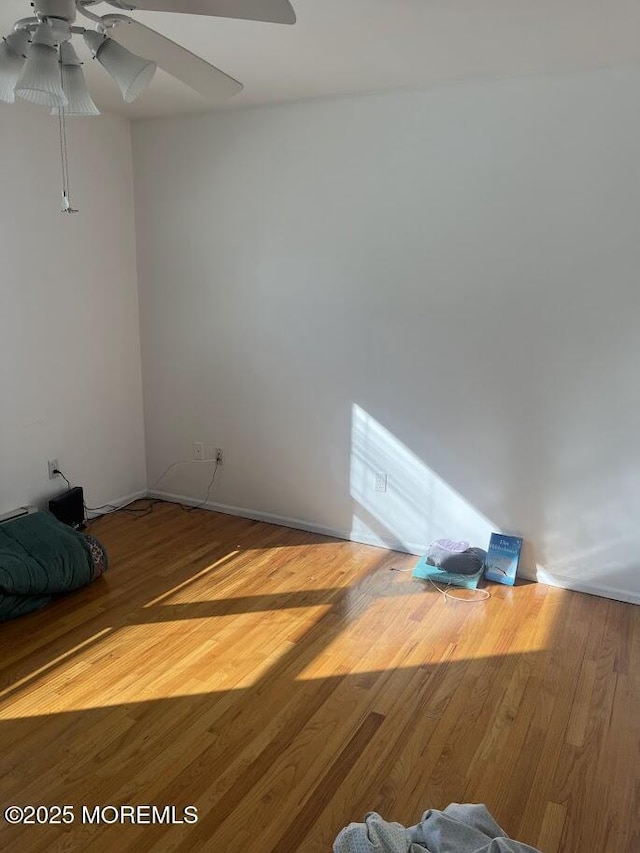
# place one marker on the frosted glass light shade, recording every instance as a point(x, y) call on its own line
point(131, 73)
point(74, 86)
point(40, 82)
point(46, 34)
point(13, 51)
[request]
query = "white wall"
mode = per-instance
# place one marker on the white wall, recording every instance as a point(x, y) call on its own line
point(439, 286)
point(70, 383)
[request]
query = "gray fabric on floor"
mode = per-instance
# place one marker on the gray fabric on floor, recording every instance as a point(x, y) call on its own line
point(457, 829)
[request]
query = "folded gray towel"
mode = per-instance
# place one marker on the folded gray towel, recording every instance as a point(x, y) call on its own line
point(458, 829)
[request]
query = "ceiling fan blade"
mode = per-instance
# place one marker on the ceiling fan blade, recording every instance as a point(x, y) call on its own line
point(185, 66)
point(272, 11)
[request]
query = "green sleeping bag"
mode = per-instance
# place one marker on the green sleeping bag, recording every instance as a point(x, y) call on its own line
point(40, 557)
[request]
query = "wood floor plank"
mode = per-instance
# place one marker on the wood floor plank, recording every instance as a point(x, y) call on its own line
point(291, 840)
point(268, 674)
point(552, 827)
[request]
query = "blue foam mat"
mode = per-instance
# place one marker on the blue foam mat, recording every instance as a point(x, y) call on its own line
point(426, 571)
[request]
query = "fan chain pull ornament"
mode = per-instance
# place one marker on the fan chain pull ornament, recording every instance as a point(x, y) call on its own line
point(66, 205)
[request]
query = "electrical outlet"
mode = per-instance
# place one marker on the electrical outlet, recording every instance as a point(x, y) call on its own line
point(380, 484)
point(53, 466)
point(198, 450)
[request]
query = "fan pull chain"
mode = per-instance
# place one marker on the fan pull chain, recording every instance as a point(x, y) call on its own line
point(67, 207)
point(64, 161)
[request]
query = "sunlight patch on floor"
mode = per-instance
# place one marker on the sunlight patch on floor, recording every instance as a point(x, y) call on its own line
point(147, 662)
point(53, 664)
point(408, 630)
point(166, 596)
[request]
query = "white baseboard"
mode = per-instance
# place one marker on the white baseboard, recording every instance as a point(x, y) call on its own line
point(117, 502)
point(577, 585)
point(538, 576)
point(284, 521)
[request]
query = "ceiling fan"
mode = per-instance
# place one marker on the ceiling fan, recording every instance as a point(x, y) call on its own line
point(39, 64)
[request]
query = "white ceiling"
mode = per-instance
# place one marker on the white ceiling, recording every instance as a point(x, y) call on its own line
point(353, 46)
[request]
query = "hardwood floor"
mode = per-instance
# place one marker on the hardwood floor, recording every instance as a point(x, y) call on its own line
point(285, 684)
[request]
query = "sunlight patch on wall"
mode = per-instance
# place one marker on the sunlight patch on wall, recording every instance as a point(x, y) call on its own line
point(417, 507)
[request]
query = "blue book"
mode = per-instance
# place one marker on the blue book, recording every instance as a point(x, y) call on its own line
point(502, 558)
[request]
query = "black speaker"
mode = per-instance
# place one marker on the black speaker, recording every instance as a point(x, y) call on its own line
point(69, 508)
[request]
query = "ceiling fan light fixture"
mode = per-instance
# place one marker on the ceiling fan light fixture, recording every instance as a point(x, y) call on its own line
point(74, 85)
point(131, 73)
point(13, 55)
point(40, 81)
point(39, 64)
